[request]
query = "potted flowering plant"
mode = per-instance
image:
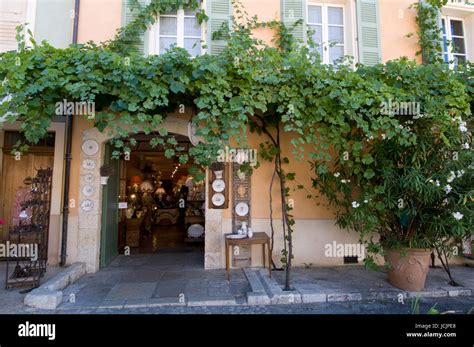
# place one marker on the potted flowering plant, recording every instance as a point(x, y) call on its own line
point(405, 183)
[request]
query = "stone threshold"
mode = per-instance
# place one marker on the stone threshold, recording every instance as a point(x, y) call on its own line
point(276, 294)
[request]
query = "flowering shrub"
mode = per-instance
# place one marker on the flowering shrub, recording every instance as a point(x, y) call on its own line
point(407, 176)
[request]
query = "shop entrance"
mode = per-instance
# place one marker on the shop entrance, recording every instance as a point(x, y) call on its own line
point(151, 205)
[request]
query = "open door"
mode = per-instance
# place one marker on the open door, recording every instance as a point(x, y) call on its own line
point(110, 211)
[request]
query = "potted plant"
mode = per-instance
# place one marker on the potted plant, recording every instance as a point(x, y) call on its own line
point(106, 171)
point(405, 184)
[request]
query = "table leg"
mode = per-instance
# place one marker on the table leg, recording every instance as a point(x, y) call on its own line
point(269, 260)
point(227, 262)
point(263, 248)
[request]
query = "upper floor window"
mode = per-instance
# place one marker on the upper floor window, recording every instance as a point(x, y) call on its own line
point(454, 41)
point(180, 28)
point(327, 24)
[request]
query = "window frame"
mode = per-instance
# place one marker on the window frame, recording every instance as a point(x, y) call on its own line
point(449, 39)
point(154, 38)
point(325, 27)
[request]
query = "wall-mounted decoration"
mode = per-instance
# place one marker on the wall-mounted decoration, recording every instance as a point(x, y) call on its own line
point(88, 191)
point(89, 178)
point(89, 164)
point(87, 205)
point(241, 218)
point(219, 186)
point(90, 147)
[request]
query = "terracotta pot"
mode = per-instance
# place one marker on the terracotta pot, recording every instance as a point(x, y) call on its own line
point(408, 268)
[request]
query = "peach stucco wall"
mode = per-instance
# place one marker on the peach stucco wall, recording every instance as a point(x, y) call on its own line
point(99, 20)
point(396, 21)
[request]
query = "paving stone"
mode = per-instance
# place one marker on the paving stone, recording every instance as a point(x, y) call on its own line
point(258, 298)
point(344, 297)
point(224, 300)
point(437, 293)
point(453, 291)
point(127, 291)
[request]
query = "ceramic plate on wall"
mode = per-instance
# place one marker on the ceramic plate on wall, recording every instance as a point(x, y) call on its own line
point(88, 164)
point(88, 190)
point(87, 205)
point(218, 199)
point(242, 209)
point(218, 186)
point(89, 178)
point(90, 147)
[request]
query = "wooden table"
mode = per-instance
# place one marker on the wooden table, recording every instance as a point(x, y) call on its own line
point(257, 239)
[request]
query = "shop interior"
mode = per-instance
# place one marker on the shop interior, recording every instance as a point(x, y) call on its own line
point(161, 206)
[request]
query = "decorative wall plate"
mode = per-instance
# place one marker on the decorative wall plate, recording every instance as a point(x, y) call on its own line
point(88, 190)
point(87, 205)
point(192, 134)
point(218, 199)
point(218, 186)
point(242, 209)
point(89, 164)
point(90, 147)
point(89, 178)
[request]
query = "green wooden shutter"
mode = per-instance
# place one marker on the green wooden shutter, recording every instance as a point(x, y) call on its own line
point(368, 28)
point(128, 15)
point(219, 12)
point(291, 12)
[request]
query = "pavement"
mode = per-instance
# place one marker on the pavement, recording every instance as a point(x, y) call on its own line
point(177, 283)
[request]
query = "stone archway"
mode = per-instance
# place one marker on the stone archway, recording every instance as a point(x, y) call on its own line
point(90, 221)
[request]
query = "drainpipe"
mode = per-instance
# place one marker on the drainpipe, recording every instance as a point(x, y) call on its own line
point(67, 157)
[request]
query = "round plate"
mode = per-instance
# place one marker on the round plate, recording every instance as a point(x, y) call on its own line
point(89, 178)
point(192, 134)
point(195, 230)
point(235, 236)
point(242, 209)
point(218, 199)
point(90, 147)
point(87, 205)
point(218, 186)
point(88, 164)
point(88, 190)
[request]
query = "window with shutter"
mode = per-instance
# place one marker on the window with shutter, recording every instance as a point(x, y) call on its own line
point(129, 15)
point(327, 25)
point(293, 11)
point(180, 28)
point(368, 28)
point(219, 13)
point(12, 14)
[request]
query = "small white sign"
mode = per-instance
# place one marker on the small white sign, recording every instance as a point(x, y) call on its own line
point(122, 205)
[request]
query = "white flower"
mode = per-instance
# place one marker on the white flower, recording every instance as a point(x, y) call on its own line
point(462, 127)
point(466, 145)
point(452, 176)
point(459, 173)
point(337, 174)
point(366, 201)
point(445, 202)
point(457, 215)
point(384, 136)
point(437, 183)
point(448, 189)
point(355, 204)
point(431, 181)
point(345, 181)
